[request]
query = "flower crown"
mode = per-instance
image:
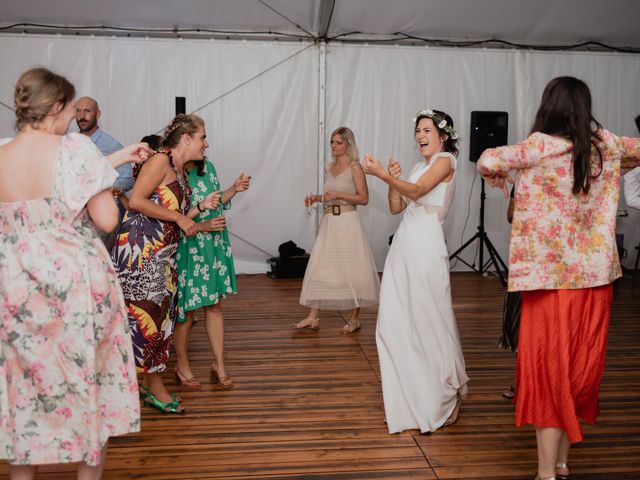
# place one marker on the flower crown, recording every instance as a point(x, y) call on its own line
point(438, 120)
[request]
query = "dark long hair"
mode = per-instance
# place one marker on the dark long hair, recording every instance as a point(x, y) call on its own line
point(565, 110)
point(450, 144)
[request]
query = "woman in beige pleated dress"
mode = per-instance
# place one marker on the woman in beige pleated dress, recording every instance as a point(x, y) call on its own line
point(341, 274)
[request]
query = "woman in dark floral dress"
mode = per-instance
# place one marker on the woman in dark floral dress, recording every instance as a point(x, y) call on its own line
point(144, 253)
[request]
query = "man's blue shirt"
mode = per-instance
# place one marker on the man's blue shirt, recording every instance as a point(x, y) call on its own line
point(107, 145)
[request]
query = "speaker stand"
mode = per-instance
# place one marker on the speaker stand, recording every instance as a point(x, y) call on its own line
point(483, 238)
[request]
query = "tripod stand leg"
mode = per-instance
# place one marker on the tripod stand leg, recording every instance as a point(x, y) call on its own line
point(501, 268)
point(457, 252)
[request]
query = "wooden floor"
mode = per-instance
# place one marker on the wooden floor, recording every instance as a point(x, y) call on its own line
point(309, 405)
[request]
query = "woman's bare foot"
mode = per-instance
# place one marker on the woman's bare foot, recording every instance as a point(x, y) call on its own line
point(453, 418)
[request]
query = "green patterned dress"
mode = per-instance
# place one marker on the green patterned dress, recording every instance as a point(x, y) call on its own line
point(205, 263)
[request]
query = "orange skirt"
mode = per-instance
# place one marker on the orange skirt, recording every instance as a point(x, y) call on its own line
point(561, 355)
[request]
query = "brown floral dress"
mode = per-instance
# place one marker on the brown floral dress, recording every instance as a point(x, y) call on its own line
point(144, 257)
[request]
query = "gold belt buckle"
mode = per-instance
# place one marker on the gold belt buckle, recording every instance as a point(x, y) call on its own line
point(335, 209)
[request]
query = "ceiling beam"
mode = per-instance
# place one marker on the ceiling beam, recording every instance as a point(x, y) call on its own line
point(326, 12)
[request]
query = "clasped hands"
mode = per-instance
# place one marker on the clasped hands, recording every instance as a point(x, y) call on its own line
point(372, 166)
point(190, 228)
point(210, 202)
point(326, 197)
point(498, 180)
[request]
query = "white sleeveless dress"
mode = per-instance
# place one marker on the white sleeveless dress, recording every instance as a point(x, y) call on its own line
point(419, 350)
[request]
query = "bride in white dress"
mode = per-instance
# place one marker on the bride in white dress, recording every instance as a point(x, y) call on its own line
point(421, 362)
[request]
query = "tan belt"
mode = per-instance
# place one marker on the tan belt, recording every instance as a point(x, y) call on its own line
point(338, 209)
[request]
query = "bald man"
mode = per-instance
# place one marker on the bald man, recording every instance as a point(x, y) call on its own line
point(87, 115)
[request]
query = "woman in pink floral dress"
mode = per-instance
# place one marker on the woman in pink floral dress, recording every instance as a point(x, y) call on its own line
point(563, 258)
point(67, 376)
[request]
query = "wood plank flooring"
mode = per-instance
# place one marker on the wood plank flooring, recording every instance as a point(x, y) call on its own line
point(308, 405)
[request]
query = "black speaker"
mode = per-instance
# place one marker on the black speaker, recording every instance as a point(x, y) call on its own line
point(181, 105)
point(488, 130)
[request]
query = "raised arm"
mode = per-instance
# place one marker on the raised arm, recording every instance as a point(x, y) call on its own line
point(394, 198)
point(242, 183)
point(440, 171)
point(495, 163)
point(631, 152)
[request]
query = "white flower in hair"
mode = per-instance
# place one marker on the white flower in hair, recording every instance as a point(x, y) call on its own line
point(429, 113)
point(442, 124)
point(454, 136)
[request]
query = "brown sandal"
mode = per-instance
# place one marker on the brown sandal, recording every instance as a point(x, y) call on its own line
point(187, 383)
point(217, 381)
point(351, 326)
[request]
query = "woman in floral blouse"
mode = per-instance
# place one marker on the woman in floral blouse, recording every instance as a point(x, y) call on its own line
point(563, 257)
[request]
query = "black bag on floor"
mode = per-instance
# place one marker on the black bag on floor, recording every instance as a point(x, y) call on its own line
point(292, 262)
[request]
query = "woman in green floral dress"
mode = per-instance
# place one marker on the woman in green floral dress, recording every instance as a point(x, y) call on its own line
point(205, 275)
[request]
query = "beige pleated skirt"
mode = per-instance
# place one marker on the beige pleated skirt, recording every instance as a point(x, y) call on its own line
point(341, 273)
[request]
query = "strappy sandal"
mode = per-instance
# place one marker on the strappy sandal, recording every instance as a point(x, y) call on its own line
point(351, 326)
point(546, 478)
point(188, 383)
point(144, 391)
point(509, 392)
point(562, 466)
point(169, 407)
point(314, 325)
point(217, 381)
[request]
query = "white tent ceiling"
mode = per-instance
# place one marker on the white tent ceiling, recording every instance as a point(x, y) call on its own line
point(539, 22)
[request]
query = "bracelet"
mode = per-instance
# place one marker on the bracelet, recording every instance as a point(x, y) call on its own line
point(198, 207)
point(395, 199)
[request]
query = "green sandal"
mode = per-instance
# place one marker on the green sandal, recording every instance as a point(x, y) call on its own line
point(144, 391)
point(169, 407)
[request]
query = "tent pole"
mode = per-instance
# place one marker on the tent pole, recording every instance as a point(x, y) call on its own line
point(322, 98)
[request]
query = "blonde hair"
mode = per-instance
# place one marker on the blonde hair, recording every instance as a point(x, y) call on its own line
point(350, 139)
point(37, 91)
point(182, 123)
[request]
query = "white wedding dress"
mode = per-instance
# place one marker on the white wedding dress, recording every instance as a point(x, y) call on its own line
point(421, 360)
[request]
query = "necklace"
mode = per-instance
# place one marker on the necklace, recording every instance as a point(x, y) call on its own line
point(183, 182)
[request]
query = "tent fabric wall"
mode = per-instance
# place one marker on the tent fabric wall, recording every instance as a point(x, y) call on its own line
point(268, 127)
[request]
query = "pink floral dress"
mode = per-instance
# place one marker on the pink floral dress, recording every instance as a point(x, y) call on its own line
point(67, 376)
